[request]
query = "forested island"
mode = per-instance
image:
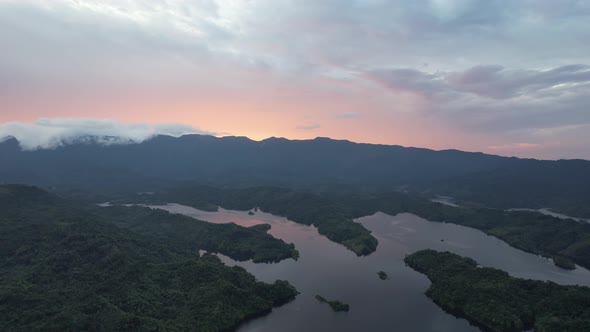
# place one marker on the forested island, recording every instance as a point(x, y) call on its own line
point(495, 301)
point(564, 263)
point(382, 275)
point(66, 266)
point(335, 304)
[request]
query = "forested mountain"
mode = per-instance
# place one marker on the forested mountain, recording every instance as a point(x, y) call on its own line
point(65, 266)
point(318, 164)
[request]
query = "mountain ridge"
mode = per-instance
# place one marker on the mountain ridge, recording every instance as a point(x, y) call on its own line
point(112, 140)
point(320, 164)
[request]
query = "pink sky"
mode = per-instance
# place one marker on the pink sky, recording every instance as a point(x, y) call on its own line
point(439, 74)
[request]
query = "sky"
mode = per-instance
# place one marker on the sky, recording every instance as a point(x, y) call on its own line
point(502, 77)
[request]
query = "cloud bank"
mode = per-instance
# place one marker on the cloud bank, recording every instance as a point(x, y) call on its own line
point(52, 133)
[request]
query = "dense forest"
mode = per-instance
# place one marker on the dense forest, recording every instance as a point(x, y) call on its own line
point(238, 242)
point(301, 207)
point(69, 267)
point(318, 164)
point(495, 301)
point(72, 265)
point(560, 185)
point(566, 241)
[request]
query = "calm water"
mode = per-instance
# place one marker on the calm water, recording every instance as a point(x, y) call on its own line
point(397, 304)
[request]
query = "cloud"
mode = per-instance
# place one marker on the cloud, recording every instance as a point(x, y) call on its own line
point(308, 127)
point(48, 133)
point(497, 82)
point(408, 80)
point(491, 81)
point(514, 146)
point(497, 70)
point(507, 104)
point(348, 115)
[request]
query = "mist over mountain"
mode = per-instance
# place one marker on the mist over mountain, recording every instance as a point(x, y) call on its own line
point(319, 164)
point(49, 133)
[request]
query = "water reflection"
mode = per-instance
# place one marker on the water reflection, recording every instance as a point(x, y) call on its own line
point(399, 303)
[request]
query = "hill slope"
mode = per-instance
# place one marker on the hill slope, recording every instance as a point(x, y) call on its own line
point(320, 163)
point(66, 267)
point(496, 301)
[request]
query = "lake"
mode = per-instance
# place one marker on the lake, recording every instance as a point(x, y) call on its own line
point(396, 304)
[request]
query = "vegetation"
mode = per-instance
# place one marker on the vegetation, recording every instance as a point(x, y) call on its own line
point(382, 275)
point(237, 242)
point(561, 185)
point(333, 215)
point(66, 267)
point(301, 207)
point(335, 305)
point(319, 164)
point(526, 230)
point(496, 301)
point(564, 263)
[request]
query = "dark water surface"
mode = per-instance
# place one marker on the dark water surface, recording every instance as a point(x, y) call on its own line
point(396, 304)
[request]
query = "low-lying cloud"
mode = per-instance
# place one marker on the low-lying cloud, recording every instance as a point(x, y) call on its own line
point(51, 133)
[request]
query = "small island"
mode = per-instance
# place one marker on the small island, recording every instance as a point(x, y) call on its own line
point(382, 275)
point(564, 263)
point(336, 305)
point(250, 213)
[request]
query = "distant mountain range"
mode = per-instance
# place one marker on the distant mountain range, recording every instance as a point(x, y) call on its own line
point(321, 164)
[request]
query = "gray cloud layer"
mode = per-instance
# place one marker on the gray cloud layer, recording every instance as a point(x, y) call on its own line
point(491, 81)
point(493, 99)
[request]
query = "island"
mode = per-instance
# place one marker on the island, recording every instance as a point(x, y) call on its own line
point(495, 301)
point(250, 213)
point(336, 305)
point(382, 275)
point(564, 263)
